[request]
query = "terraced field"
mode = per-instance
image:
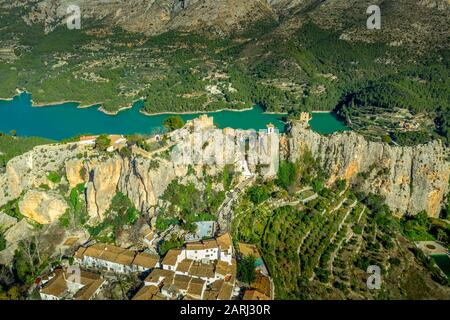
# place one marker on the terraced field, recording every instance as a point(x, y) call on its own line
point(321, 249)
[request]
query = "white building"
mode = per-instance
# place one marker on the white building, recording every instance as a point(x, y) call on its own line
point(204, 251)
point(64, 284)
point(200, 270)
point(115, 259)
point(225, 248)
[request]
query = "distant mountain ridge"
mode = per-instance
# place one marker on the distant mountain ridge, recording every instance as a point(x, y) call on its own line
point(404, 22)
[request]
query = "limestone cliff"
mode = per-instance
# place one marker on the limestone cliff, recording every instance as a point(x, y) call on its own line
point(42, 206)
point(411, 178)
point(135, 177)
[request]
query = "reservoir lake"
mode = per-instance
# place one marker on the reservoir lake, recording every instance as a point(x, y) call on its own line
point(67, 120)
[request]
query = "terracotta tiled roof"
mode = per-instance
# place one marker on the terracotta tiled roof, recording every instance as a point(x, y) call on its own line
point(202, 245)
point(262, 284)
point(210, 295)
point(224, 241)
point(80, 253)
point(157, 274)
point(171, 257)
point(195, 288)
point(201, 270)
point(57, 286)
point(159, 296)
point(181, 281)
point(225, 269)
point(88, 291)
point(255, 295)
point(146, 260)
point(146, 293)
point(225, 292)
point(110, 253)
point(184, 265)
point(85, 277)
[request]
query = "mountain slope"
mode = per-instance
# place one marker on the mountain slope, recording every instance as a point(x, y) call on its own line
point(407, 22)
point(285, 55)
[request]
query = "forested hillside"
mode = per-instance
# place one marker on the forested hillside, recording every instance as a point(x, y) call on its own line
point(283, 61)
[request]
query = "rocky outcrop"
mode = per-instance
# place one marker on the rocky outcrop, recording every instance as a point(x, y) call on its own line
point(154, 16)
point(6, 221)
point(410, 178)
point(20, 231)
point(44, 207)
point(30, 170)
point(143, 177)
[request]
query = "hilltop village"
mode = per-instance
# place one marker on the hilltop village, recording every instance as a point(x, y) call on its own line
point(201, 212)
point(203, 270)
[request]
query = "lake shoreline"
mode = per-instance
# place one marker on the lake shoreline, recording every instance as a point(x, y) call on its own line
point(130, 106)
point(70, 119)
point(193, 112)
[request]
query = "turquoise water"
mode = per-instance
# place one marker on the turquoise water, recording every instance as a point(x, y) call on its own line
point(326, 123)
point(66, 120)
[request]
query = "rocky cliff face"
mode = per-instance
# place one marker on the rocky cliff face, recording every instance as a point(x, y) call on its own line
point(155, 16)
point(143, 177)
point(136, 177)
point(411, 178)
point(42, 206)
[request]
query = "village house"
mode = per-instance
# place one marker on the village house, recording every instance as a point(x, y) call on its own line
point(172, 285)
point(115, 259)
point(158, 276)
point(255, 295)
point(200, 270)
point(204, 251)
point(65, 284)
point(149, 293)
point(87, 140)
point(171, 259)
point(165, 284)
point(225, 248)
point(117, 141)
